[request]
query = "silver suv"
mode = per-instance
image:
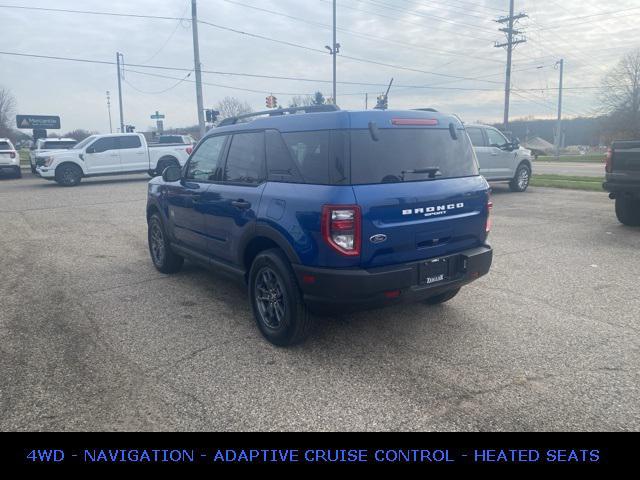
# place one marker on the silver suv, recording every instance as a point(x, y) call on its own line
point(501, 160)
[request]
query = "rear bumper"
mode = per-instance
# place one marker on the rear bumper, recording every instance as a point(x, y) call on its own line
point(13, 168)
point(621, 187)
point(372, 287)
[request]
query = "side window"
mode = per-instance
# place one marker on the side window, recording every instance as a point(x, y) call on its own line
point(245, 162)
point(204, 165)
point(476, 136)
point(496, 139)
point(280, 165)
point(129, 142)
point(104, 144)
point(310, 151)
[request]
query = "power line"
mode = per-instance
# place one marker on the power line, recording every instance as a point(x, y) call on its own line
point(424, 15)
point(283, 42)
point(358, 33)
point(162, 47)
point(276, 77)
point(464, 11)
point(397, 19)
point(231, 87)
point(93, 12)
point(160, 92)
point(561, 23)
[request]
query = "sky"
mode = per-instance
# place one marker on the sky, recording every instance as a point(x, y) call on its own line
point(446, 47)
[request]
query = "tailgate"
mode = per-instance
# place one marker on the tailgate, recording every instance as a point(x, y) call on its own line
point(7, 156)
point(626, 157)
point(410, 221)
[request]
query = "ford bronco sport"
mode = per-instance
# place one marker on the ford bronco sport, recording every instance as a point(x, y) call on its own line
point(327, 208)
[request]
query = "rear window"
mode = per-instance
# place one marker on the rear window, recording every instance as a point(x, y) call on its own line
point(57, 145)
point(398, 153)
point(5, 146)
point(130, 142)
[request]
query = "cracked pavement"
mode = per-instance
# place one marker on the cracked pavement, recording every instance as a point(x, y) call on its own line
point(92, 337)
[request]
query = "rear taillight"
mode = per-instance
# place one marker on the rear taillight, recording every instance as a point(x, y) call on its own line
point(342, 227)
point(607, 161)
point(189, 150)
point(12, 154)
point(489, 219)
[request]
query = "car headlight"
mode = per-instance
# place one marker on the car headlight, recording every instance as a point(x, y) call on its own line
point(48, 161)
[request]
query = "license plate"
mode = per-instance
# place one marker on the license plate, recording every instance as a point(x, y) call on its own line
point(435, 271)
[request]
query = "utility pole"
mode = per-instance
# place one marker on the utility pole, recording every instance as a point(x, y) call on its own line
point(109, 109)
point(118, 57)
point(366, 101)
point(559, 125)
point(198, 67)
point(335, 55)
point(334, 50)
point(512, 41)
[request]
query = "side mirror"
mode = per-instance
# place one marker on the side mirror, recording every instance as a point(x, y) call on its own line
point(172, 174)
point(90, 150)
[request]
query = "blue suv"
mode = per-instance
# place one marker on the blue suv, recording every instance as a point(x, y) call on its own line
point(318, 209)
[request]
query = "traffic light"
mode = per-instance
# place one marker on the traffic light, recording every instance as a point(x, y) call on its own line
point(212, 115)
point(272, 102)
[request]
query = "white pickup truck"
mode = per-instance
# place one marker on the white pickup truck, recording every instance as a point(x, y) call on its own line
point(116, 154)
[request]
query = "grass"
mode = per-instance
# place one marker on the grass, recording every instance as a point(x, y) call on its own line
point(591, 158)
point(593, 184)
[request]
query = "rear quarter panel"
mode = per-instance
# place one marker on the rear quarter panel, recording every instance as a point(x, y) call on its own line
point(294, 211)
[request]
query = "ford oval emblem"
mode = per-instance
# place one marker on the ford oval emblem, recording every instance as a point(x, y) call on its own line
point(379, 238)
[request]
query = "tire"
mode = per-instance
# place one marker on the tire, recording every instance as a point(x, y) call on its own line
point(18, 173)
point(278, 307)
point(162, 256)
point(520, 182)
point(68, 175)
point(165, 162)
point(33, 169)
point(443, 297)
point(628, 210)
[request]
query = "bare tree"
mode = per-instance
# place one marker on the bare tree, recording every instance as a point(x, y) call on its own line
point(7, 110)
point(301, 101)
point(79, 134)
point(232, 107)
point(621, 96)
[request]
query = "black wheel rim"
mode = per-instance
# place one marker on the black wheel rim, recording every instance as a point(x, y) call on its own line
point(69, 176)
point(157, 243)
point(270, 298)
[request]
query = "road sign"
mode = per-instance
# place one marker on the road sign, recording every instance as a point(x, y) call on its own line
point(38, 121)
point(157, 116)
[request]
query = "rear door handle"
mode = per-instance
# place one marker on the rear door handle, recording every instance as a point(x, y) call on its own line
point(241, 204)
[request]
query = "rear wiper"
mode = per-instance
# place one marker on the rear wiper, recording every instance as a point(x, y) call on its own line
point(432, 171)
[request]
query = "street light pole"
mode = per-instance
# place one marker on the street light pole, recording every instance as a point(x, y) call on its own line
point(109, 109)
point(559, 124)
point(118, 57)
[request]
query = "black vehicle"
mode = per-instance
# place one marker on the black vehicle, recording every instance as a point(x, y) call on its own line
point(623, 180)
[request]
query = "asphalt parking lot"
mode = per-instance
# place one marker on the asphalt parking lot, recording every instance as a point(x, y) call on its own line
point(92, 337)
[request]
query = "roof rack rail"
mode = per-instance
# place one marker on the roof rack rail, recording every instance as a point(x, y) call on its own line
point(280, 111)
point(425, 109)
